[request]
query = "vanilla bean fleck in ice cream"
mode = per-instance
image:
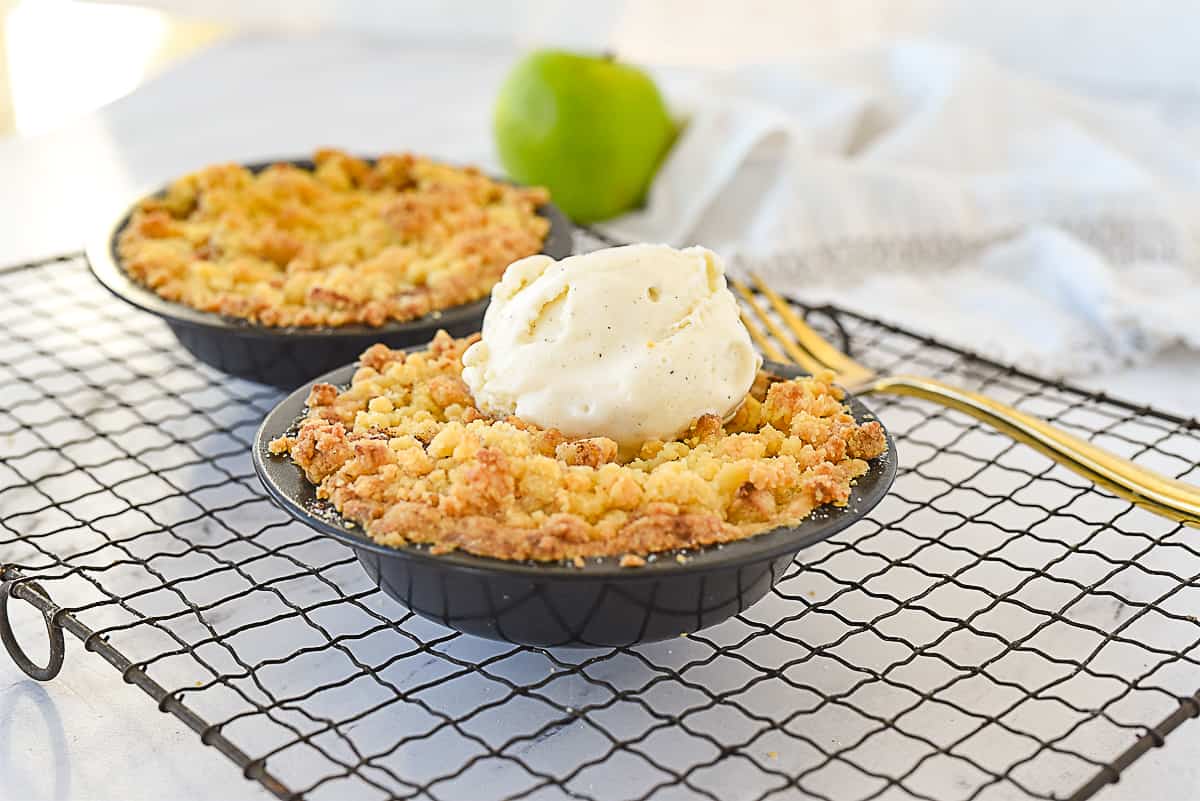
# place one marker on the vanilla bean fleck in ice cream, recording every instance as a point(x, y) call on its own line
point(631, 343)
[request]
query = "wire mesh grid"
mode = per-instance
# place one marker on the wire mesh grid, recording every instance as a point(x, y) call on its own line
point(996, 628)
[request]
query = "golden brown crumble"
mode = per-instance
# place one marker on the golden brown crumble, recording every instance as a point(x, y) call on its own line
point(404, 453)
point(348, 242)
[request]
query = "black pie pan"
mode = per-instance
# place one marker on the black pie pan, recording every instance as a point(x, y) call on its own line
point(555, 604)
point(287, 357)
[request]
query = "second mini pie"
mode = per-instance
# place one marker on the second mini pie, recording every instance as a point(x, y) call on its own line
point(346, 242)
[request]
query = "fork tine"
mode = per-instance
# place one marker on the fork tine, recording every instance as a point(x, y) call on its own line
point(827, 355)
point(794, 351)
point(768, 347)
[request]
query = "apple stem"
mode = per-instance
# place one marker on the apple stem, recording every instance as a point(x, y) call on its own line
point(609, 55)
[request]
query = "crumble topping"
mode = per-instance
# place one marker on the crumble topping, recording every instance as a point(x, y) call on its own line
point(348, 242)
point(404, 452)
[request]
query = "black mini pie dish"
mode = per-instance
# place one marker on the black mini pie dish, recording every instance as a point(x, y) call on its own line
point(555, 604)
point(287, 357)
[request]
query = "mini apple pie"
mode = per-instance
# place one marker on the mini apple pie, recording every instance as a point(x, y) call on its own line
point(347, 242)
point(405, 453)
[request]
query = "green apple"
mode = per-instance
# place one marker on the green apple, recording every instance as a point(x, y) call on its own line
point(590, 129)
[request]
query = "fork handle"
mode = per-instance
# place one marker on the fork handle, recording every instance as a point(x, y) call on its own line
point(1158, 493)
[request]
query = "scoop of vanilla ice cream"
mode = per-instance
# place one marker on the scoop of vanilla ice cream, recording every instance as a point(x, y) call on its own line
point(631, 343)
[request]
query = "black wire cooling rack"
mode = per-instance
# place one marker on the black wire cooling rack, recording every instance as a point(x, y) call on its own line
point(996, 628)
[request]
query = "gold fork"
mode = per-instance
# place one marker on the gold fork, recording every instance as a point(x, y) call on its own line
point(1165, 496)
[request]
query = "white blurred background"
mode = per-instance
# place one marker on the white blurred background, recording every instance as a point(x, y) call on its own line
point(62, 58)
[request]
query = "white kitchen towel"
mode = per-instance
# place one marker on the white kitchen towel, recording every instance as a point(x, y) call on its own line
point(928, 186)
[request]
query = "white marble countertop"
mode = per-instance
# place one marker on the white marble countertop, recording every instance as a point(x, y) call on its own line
point(86, 735)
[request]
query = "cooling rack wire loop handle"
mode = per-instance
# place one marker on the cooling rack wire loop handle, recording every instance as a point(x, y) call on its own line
point(14, 586)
